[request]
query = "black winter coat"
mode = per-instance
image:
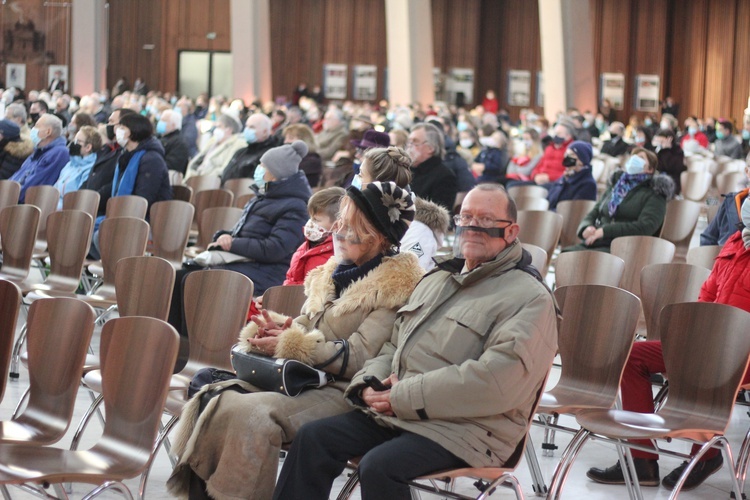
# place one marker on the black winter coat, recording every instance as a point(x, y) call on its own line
point(12, 156)
point(245, 160)
point(100, 177)
point(175, 151)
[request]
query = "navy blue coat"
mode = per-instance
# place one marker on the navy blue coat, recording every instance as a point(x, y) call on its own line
point(272, 232)
point(724, 224)
point(152, 181)
point(579, 186)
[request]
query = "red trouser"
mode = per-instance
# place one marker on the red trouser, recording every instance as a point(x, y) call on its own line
point(645, 359)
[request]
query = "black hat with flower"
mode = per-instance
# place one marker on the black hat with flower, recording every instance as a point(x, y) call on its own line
point(388, 207)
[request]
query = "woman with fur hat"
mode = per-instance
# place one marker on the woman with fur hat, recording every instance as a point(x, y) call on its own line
point(231, 450)
point(14, 149)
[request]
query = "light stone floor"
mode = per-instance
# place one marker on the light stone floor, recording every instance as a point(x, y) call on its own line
point(594, 454)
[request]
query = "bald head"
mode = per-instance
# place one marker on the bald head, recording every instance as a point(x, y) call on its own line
point(261, 124)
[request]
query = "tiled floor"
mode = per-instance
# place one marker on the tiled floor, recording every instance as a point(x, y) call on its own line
point(577, 487)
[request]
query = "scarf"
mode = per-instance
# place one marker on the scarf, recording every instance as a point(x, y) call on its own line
point(346, 274)
point(126, 183)
point(625, 183)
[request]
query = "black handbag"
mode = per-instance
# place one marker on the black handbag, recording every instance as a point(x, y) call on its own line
point(286, 376)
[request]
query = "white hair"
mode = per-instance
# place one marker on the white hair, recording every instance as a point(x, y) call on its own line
point(175, 118)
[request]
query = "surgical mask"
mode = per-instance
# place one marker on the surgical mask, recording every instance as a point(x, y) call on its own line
point(558, 140)
point(745, 212)
point(161, 127)
point(357, 181)
point(250, 135)
point(746, 135)
point(720, 134)
point(260, 172)
point(586, 124)
point(665, 125)
point(74, 149)
point(692, 130)
point(569, 161)
point(120, 137)
point(640, 140)
point(314, 232)
point(648, 122)
point(635, 165)
point(487, 142)
point(218, 134)
point(111, 132)
point(461, 126)
point(466, 143)
point(35, 139)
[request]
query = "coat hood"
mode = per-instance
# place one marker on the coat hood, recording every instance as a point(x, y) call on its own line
point(21, 148)
point(151, 144)
point(432, 215)
point(662, 184)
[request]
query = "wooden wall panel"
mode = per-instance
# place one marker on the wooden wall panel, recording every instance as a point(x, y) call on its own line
point(741, 74)
point(719, 59)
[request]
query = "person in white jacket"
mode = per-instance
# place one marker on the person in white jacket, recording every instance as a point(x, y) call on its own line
point(225, 141)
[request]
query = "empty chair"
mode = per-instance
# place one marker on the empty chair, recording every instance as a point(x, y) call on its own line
point(679, 225)
point(135, 371)
point(286, 300)
point(18, 229)
point(10, 303)
point(183, 193)
point(127, 206)
point(663, 284)
point(573, 212)
point(729, 182)
point(215, 219)
point(240, 186)
point(540, 228)
point(45, 198)
point(119, 237)
point(242, 200)
point(588, 267)
point(86, 200)
point(638, 252)
point(538, 257)
point(535, 191)
point(200, 182)
point(9, 192)
point(704, 256)
point(170, 228)
point(695, 185)
point(210, 198)
point(531, 203)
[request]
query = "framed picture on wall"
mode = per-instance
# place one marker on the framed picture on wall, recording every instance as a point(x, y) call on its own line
point(334, 81)
point(613, 88)
point(647, 93)
point(519, 87)
point(540, 89)
point(15, 76)
point(57, 77)
point(365, 82)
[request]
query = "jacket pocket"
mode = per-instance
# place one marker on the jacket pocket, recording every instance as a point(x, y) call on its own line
point(464, 334)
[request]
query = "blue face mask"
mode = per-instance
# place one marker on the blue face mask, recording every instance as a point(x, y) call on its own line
point(746, 135)
point(35, 137)
point(648, 122)
point(250, 135)
point(357, 182)
point(161, 127)
point(260, 171)
point(635, 165)
point(692, 130)
point(461, 126)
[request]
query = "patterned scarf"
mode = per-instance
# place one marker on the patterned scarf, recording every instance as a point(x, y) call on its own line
point(625, 183)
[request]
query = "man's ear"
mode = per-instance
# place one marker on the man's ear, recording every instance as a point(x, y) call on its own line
point(511, 232)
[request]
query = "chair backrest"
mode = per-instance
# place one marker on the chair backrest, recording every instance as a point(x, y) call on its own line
point(239, 187)
point(704, 256)
point(695, 185)
point(184, 193)
point(537, 191)
point(136, 369)
point(540, 228)
point(242, 200)
point(59, 332)
point(638, 252)
point(144, 286)
point(10, 302)
point(286, 300)
point(216, 219)
point(69, 240)
point(573, 212)
point(9, 193)
point(120, 237)
point(170, 229)
point(175, 178)
point(596, 334)
point(127, 206)
point(216, 303)
point(211, 198)
point(663, 284)
point(86, 200)
point(46, 199)
point(588, 267)
point(18, 229)
point(531, 203)
point(200, 182)
point(728, 182)
point(538, 257)
point(679, 225)
point(706, 349)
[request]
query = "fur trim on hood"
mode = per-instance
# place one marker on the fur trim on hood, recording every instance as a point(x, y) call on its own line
point(20, 149)
point(662, 184)
point(432, 215)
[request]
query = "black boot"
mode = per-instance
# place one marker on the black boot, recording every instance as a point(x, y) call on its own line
point(197, 488)
point(696, 477)
point(647, 471)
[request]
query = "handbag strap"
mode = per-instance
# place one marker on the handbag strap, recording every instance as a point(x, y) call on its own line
point(343, 350)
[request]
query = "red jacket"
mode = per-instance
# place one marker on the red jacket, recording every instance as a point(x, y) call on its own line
point(551, 162)
point(699, 136)
point(729, 282)
point(305, 259)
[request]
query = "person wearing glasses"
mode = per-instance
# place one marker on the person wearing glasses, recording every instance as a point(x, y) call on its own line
point(431, 179)
point(232, 451)
point(457, 383)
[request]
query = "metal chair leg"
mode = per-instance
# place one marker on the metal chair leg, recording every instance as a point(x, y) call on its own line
point(540, 489)
point(349, 487)
point(16, 356)
point(629, 473)
point(159, 440)
point(21, 403)
point(110, 485)
point(566, 461)
point(84, 421)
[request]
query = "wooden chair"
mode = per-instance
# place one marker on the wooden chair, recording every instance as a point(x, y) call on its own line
point(242, 200)
point(46, 199)
point(9, 193)
point(638, 252)
point(286, 300)
point(170, 229)
point(541, 229)
point(663, 284)
point(18, 229)
point(127, 206)
point(538, 257)
point(182, 193)
point(728, 182)
point(588, 267)
point(200, 182)
point(573, 212)
point(529, 190)
point(213, 220)
point(10, 303)
point(86, 200)
point(679, 224)
point(703, 256)
point(531, 203)
point(596, 336)
point(706, 349)
point(137, 364)
point(239, 187)
point(119, 237)
point(695, 185)
point(210, 198)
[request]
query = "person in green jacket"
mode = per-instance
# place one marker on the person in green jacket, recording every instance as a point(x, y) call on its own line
point(634, 204)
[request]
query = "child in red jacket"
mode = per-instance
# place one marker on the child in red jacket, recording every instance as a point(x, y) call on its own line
point(317, 248)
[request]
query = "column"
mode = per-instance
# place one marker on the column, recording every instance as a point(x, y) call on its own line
point(408, 26)
point(251, 49)
point(567, 56)
point(89, 34)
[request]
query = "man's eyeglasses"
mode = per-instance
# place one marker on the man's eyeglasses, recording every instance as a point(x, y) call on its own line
point(485, 222)
point(415, 143)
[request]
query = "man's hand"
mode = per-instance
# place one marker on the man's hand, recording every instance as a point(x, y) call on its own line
point(224, 242)
point(380, 401)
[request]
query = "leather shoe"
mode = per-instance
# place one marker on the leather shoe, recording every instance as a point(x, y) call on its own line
point(647, 471)
point(696, 477)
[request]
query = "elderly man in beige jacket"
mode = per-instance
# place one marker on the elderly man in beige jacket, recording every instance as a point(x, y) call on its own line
point(469, 353)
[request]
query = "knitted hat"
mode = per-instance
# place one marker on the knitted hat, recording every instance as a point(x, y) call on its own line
point(284, 161)
point(388, 207)
point(373, 139)
point(9, 130)
point(583, 151)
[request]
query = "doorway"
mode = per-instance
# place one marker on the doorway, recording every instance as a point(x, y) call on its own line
point(204, 71)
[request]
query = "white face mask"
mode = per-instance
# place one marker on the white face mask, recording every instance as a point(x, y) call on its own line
point(218, 134)
point(466, 143)
point(745, 212)
point(635, 165)
point(120, 137)
point(314, 231)
point(488, 142)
